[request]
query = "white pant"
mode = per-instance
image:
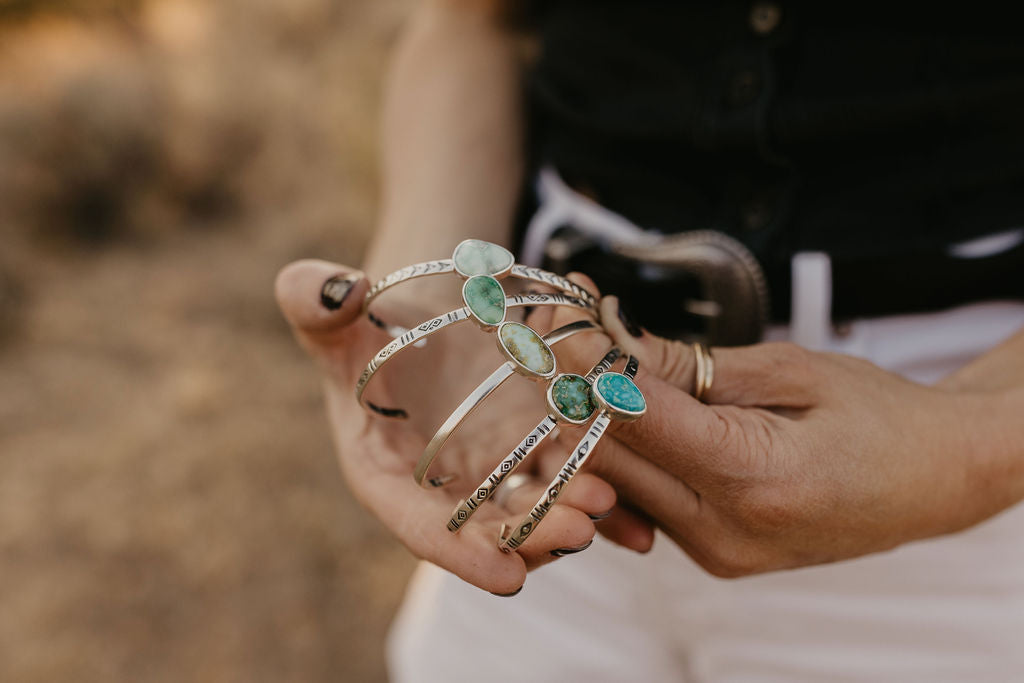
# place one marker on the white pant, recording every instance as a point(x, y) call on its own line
point(945, 609)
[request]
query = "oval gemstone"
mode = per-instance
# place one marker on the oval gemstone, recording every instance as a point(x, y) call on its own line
point(485, 299)
point(571, 396)
point(476, 257)
point(620, 392)
point(526, 346)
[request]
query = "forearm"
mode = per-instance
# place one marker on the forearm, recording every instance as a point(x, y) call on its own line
point(990, 393)
point(452, 136)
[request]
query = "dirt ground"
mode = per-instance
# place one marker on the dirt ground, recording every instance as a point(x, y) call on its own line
point(170, 507)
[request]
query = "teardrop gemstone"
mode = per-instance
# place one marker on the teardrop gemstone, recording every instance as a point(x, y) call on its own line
point(570, 395)
point(619, 392)
point(526, 348)
point(476, 257)
point(485, 298)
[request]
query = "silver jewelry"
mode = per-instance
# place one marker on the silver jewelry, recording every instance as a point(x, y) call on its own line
point(433, 325)
point(528, 354)
point(619, 399)
point(514, 483)
point(569, 401)
point(473, 258)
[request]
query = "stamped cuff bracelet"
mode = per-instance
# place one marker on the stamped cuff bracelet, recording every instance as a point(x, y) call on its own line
point(527, 354)
point(569, 401)
point(492, 322)
point(473, 258)
point(618, 398)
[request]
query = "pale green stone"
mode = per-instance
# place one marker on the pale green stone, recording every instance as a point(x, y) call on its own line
point(476, 257)
point(620, 392)
point(485, 298)
point(571, 396)
point(527, 347)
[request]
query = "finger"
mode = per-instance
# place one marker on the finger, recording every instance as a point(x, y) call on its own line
point(586, 492)
point(540, 318)
point(568, 527)
point(418, 516)
point(769, 375)
point(319, 297)
point(627, 528)
point(639, 482)
point(596, 497)
point(564, 531)
point(322, 302)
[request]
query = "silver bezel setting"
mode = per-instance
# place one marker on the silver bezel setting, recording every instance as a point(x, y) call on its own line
point(613, 411)
point(553, 410)
point(497, 276)
point(482, 324)
point(518, 367)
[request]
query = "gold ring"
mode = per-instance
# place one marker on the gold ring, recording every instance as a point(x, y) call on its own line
point(705, 366)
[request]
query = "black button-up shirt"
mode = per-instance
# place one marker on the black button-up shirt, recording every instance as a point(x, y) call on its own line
point(864, 129)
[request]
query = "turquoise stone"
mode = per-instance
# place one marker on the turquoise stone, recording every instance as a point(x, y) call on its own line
point(476, 257)
point(485, 299)
point(571, 396)
point(526, 346)
point(619, 392)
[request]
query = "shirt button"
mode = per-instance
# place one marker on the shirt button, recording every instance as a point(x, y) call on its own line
point(764, 17)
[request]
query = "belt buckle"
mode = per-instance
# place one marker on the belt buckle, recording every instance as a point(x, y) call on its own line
point(734, 301)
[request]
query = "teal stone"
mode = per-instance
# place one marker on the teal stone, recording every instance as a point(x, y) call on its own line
point(620, 392)
point(571, 396)
point(527, 348)
point(476, 257)
point(485, 299)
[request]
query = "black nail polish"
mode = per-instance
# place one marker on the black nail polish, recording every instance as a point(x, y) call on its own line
point(627, 322)
point(562, 552)
point(336, 290)
point(598, 518)
point(509, 595)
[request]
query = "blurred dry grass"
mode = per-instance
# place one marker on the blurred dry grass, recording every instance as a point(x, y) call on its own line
point(170, 508)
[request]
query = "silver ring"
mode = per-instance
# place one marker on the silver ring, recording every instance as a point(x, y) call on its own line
point(619, 399)
point(564, 406)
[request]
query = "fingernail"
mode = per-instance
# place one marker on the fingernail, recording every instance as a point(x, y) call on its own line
point(509, 595)
point(598, 518)
point(562, 552)
point(336, 290)
point(627, 322)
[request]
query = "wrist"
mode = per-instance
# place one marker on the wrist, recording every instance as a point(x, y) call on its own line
point(985, 440)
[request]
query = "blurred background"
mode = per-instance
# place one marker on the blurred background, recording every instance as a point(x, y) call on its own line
point(170, 507)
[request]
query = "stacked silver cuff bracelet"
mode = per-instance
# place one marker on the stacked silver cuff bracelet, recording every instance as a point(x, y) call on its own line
point(481, 265)
point(571, 399)
point(618, 398)
point(527, 354)
point(569, 402)
point(476, 257)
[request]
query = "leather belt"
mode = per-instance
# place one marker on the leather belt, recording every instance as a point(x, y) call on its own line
point(706, 286)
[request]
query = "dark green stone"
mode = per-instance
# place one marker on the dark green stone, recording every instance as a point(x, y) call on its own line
point(571, 396)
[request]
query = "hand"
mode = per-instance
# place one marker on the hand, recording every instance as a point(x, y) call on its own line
point(378, 455)
point(800, 457)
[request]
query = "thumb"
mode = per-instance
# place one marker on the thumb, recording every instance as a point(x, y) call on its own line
point(323, 303)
